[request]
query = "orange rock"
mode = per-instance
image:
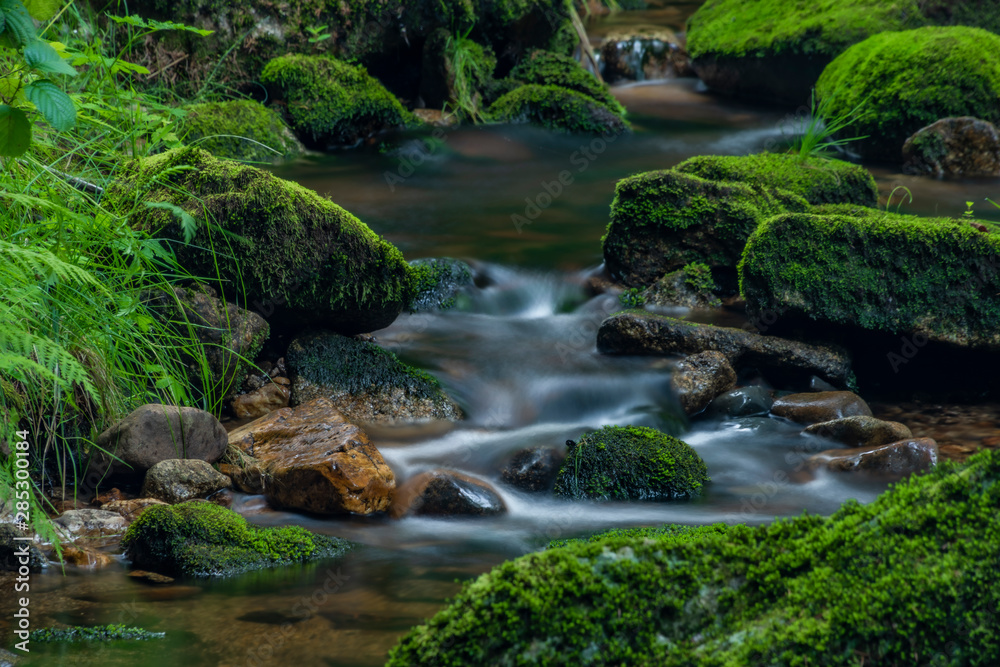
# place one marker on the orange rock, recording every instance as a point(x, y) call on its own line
point(258, 403)
point(312, 458)
point(84, 557)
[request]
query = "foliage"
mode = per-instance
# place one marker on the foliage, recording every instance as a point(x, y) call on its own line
point(239, 129)
point(819, 131)
point(101, 633)
point(699, 276)
point(632, 298)
point(471, 68)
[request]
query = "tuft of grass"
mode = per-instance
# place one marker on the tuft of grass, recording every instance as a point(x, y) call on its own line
point(819, 131)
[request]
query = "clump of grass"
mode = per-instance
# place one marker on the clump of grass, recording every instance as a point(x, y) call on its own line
point(470, 66)
point(819, 132)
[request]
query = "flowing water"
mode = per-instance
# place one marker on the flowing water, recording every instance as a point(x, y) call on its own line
point(519, 355)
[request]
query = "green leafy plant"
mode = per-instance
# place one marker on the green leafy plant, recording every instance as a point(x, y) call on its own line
point(318, 33)
point(819, 131)
point(469, 66)
point(632, 298)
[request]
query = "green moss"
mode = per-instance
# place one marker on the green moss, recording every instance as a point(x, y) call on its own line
point(236, 129)
point(908, 579)
point(279, 245)
point(631, 463)
point(353, 366)
point(437, 283)
point(548, 69)
point(818, 180)
point(331, 103)
point(699, 276)
point(101, 633)
point(201, 539)
point(632, 298)
point(663, 220)
point(558, 109)
point(906, 80)
point(880, 271)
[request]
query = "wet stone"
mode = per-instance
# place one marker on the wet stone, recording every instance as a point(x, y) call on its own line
point(860, 431)
point(701, 377)
point(820, 406)
point(742, 402)
point(445, 493)
point(533, 469)
point(897, 458)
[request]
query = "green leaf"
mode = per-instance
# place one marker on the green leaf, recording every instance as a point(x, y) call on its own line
point(15, 131)
point(189, 226)
point(42, 57)
point(3, 21)
point(150, 24)
point(42, 10)
point(55, 105)
point(19, 29)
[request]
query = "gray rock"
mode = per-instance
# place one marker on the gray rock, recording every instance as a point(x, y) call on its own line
point(12, 550)
point(364, 381)
point(643, 53)
point(445, 493)
point(683, 288)
point(820, 406)
point(154, 433)
point(742, 402)
point(176, 480)
point(700, 378)
point(860, 431)
point(961, 147)
point(637, 332)
point(438, 283)
point(533, 469)
point(76, 524)
point(897, 458)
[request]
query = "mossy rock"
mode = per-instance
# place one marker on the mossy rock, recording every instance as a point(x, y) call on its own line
point(907, 579)
point(280, 247)
point(776, 49)
point(690, 287)
point(330, 103)
point(904, 81)
point(242, 130)
point(818, 180)
point(879, 271)
point(664, 220)
point(550, 69)
point(559, 109)
point(364, 381)
point(437, 283)
point(631, 463)
point(201, 539)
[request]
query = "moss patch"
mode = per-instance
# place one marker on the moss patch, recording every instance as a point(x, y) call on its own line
point(559, 109)
point(906, 80)
point(330, 103)
point(631, 463)
point(549, 69)
point(236, 130)
point(818, 180)
point(201, 539)
point(907, 579)
point(280, 246)
point(101, 633)
point(437, 283)
point(880, 271)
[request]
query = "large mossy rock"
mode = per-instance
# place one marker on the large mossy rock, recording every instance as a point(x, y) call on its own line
point(550, 69)
point(907, 579)
point(201, 539)
point(279, 246)
point(243, 130)
point(330, 103)
point(560, 109)
point(631, 463)
point(776, 49)
point(663, 220)
point(817, 180)
point(903, 81)
point(936, 277)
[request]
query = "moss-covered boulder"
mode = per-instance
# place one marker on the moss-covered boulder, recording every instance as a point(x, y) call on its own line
point(243, 130)
point(201, 539)
point(903, 81)
point(437, 283)
point(817, 180)
point(278, 246)
point(631, 463)
point(557, 108)
point(936, 277)
point(330, 103)
point(364, 381)
point(776, 49)
point(690, 287)
point(664, 220)
point(907, 579)
point(550, 69)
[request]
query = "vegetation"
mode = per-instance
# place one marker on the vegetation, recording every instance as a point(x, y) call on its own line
point(437, 282)
point(867, 583)
point(201, 539)
point(549, 69)
point(100, 633)
point(878, 270)
point(904, 81)
point(556, 108)
point(239, 129)
point(630, 463)
point(470, 68)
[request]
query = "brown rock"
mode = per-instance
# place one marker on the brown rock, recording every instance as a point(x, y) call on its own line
point(109, 497)
point(131, 509)
point(964, 147)
point(258, 403)
point(644, 53)
point(445, 493)
point(177, 480)
point(820, 406)
point(84, 557)
point(313, 459)
point(154, 433)
point(700, 378)
point(150, 577)
point(860, 431)
point(897, 458)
